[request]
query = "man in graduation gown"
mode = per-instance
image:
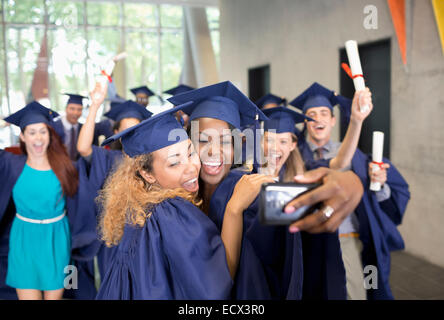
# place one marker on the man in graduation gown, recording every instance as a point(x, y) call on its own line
point(369, 234)
point(142, 95)
point(68, 125)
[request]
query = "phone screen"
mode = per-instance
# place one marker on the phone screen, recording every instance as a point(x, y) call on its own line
point(274, 198)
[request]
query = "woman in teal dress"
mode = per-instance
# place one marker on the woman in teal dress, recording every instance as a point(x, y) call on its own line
point(40, 239)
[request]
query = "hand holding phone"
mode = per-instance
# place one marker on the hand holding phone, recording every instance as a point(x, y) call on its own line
point(274, 197)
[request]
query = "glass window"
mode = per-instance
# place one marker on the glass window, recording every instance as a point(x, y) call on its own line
point(67, 67)
point(142, 60)
point(171, 16)
point(172, 53)
point(65, 13)
point(23, 46)
point(5, 139)
point(29, 11)
point(213, 24)
point(103, 14)
point(81, 37)
point(213, 18)
point(140, 15)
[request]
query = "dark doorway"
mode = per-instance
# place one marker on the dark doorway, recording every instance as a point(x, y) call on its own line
point(258, 82)
point(376, 67)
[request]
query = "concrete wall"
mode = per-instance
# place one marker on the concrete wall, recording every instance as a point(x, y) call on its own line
point(300, 39)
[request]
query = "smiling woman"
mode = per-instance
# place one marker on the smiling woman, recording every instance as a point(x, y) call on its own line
point(150, 209)
point(39, 182)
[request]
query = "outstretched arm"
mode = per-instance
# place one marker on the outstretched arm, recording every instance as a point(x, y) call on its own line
point(86, 134)
point(351, 139)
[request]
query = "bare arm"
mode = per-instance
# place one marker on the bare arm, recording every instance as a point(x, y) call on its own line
point(244, 193)
point(351, 139)
point(86, 134)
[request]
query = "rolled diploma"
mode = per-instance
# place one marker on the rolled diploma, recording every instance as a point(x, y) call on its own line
point(377, 150)
point(109, 67)
point(351, 47)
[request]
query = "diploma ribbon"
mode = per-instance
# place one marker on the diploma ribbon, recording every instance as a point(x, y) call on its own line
point(348, 71)
point(379, 164)
point(107, 75)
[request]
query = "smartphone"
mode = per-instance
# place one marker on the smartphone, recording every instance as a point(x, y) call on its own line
point(274, 197)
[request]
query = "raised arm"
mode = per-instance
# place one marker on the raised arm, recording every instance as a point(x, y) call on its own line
point(351, 139)
point(86, 134)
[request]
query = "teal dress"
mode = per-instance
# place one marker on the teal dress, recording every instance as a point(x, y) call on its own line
point(38, 253)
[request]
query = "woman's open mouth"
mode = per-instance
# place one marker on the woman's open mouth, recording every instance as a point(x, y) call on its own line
point(38, 147)
point(191, 185)
point(212, 167)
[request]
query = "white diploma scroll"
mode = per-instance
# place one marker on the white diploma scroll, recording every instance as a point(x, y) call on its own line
point(107, 70)
point(351, 46)
point(377, 150)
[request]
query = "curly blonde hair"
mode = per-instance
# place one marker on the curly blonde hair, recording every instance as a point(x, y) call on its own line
point(127, 198)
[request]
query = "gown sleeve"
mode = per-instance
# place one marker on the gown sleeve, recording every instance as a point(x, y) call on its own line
point(11, 166)
point(83, 215)
point(396, 204)
point(378, 222)
point(104, 128)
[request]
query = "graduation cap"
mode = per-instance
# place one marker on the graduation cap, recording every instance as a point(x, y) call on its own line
point(270, 98)
point(128, 109)
point(142, 89)
point(151, 134)
point(32, 113)
point(319, 96)
point(222, 101)
point(283, 119)
point(75, 98)
point(181, 88)
point(115, 101)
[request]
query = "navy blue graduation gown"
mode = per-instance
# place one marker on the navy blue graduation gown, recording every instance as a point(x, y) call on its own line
point(11, 166)
point(103, 127)
point(177, 254)
point(377, 221)
point(323, 269)
point(314, 267)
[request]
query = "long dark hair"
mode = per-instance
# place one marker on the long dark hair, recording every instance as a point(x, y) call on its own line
point(60, 162)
